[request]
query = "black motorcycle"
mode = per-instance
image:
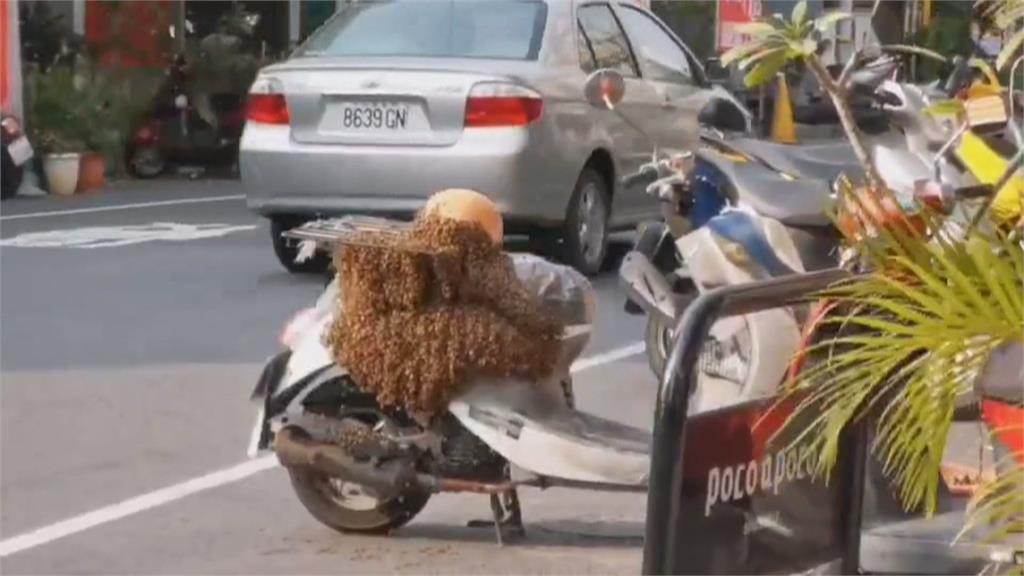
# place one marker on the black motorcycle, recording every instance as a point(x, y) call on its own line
point(175, 131)
point(16, 152)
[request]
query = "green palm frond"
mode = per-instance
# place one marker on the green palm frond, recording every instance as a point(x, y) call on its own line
point(1012, 47)
point(997, 509)
point(1007, 16)
point(913, 337)
point(915, 51)
point(775, 42)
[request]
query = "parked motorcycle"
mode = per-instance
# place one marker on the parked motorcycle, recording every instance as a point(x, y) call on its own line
point(176, 133)
point(15, 153)
point(785, 184)
point(956, 201)
point(199, 113)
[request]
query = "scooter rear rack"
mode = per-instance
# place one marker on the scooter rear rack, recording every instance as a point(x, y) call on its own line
point(365, 231)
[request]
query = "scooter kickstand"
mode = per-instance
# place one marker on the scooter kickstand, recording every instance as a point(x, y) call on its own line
point(514, 514)
point(507, 516)
point(496, 509)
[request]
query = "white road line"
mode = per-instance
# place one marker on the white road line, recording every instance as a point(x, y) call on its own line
point(607, 357)
point(125, 508)
point(157, 498)
point(119, 207)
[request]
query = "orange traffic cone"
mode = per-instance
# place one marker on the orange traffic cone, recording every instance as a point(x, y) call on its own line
point(783, 125)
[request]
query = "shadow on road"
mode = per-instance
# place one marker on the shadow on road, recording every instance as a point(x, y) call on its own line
point(547, 533)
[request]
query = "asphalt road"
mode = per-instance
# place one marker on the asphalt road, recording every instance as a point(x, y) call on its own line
point(126, 363)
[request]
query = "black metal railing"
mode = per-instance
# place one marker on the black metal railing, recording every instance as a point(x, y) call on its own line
point(662, 553)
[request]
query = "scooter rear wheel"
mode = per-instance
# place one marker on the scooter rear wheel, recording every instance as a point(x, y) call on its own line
point(348, 507)
point(146, 162)
point(658, 340)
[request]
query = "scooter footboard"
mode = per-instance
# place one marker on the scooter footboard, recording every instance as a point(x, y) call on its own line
point(534, 430)
point(647, 287)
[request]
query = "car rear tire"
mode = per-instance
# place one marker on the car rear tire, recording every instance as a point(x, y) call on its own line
point(584, 238)
point(346, 507)
point(286, 251)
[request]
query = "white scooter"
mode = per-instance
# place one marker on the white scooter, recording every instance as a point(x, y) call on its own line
point(359, 468)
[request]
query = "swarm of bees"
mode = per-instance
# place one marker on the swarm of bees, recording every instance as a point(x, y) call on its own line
point(429, 308)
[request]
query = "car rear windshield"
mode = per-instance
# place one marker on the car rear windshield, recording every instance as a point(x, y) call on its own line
point(501, 29)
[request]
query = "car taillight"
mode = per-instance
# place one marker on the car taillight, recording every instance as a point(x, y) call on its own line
point(267, 104)
point(267, 109)
point(493, 105)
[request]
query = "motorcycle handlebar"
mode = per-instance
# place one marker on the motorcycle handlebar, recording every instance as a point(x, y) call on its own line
point(959, 77)
point(647, 173)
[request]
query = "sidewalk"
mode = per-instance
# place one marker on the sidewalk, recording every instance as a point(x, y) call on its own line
point(124, 192)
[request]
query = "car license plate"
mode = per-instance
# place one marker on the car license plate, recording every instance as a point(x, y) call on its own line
point(20, 151)
point(375, 117)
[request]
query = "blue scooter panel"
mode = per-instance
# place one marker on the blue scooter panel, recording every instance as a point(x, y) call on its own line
point(740, 227)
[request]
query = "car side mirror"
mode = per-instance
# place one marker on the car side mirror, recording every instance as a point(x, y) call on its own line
point(605, 89)
point(722, 115)
point(715, 72)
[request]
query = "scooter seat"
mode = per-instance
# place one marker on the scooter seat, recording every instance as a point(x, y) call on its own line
point(801, 202)
point(929, 546)
point(522, 423)
point(1002, 378)
point(818, 161)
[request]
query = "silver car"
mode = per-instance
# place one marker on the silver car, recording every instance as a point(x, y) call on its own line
point(392, 101)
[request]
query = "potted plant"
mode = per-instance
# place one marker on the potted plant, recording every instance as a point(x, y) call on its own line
point(61, 162)
point(111, 99)
point(95, 101)
point(55, 120)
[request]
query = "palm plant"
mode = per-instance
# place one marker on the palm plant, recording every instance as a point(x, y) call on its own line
point(914, 335)
point(911, 336)
point(1005, 16)
point(997, 508)
point(775, 42)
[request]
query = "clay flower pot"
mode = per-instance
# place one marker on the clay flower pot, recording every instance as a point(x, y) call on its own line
point(92, 171)
point(61, 172)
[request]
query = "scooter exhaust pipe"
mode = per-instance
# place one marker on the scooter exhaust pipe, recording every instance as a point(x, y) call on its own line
point(392, 478)
point(295, 449)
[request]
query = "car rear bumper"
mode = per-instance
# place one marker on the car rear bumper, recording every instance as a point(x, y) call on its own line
point(282, 176)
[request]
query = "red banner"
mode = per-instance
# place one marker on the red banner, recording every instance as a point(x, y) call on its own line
point(130, 34)
point(732, 13)
point(5, 56)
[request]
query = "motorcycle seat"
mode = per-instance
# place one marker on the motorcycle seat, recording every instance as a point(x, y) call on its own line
point(1002, 378)
point(824, 161)
point(800, 202)
point(525, 424)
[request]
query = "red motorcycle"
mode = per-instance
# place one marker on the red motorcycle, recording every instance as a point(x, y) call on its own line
point(175, 131)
